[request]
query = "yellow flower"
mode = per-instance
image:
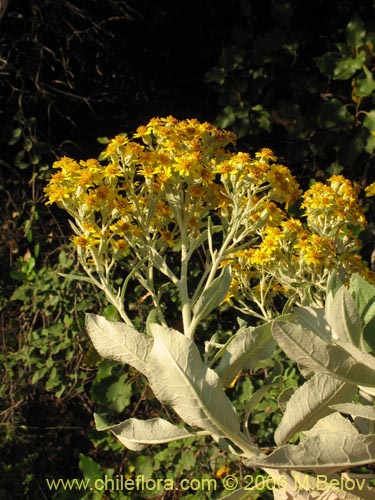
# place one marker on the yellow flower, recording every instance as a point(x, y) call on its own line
point(85, 241)
point(370, 190)
point(265, 155)
point(284, 186)
point(259, 256)
point(58, 193)
point(317, 251)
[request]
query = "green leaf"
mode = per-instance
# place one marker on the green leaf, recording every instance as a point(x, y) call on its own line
point(310, 403)
point(213, 295)
point(370, 143)
point(226, 117)
point(346, 67)
point(136, 434)
point(119, 394)
point(117, 341)
point(89, 468)
point(355, 32)
point(244, 351)
point(343, 317)
point(364, 85)
point(364, 296)
point(328, 62)
point(355, 410)
point(369, 121)
point(344, 361)
point(179, 378)
point(241, 494)
point(333, 114)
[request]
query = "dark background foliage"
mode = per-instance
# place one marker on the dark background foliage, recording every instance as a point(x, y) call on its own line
point(74, 71)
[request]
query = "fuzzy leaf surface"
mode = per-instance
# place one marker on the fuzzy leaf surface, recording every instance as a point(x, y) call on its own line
point(179, 378)
point(311, 351)
point(248, 347)
point(117, 341)
point(343, 317)
point(136, 434)
point(355, 410)
point(325, 452)
point(310, 403)
point(214, 294)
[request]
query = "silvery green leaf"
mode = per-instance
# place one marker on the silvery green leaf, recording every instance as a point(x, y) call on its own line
point(367, 390)
point(355, 410)
point(311, 351)
point(310, 403)
point(314, 319)
point(179, 378)
point(334, 283)
point(136, 434)
point(284, 397)
point(213, 295)
point(117, 341)
point(323, 453)
point(343, 317)
point(160, 264)
point(333, 423)
point(245, 350)
point(356, 486)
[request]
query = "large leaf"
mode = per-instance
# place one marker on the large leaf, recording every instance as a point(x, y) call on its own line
point(314, 319)
point(342, 486)
point(117, 341)
point(356, 410)
point(179, 378)
point(213, 295)
point(324, 452)
point(245, 350)
point(343, 317)
point(310, 403)
point(136, 434)
point(333, 423)
point(311, 351)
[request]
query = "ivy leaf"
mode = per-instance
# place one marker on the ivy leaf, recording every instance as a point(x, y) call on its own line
point(355, 32)
point(333, 114)
point(364, 85)
point(348, 66)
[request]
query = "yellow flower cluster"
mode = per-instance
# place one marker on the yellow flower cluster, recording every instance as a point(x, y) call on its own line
point(180, 172)
point(175, 183)
point(290, 255)
point(333, 206)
